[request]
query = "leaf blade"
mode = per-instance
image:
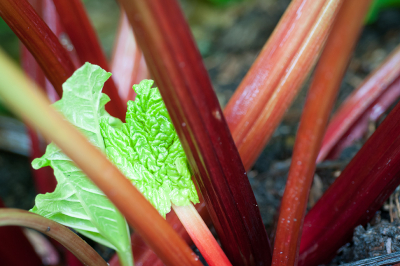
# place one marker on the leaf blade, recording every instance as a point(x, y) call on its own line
point(92, 214)
point(148, 151)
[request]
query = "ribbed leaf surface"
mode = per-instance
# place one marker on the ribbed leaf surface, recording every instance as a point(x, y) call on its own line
point(76, 201)
point(148, 151)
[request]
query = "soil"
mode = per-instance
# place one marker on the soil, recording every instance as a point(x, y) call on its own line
point(230, 38)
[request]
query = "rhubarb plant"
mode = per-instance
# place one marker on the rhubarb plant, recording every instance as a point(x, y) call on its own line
point(76, 201)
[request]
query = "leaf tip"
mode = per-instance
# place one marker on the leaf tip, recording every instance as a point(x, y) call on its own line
point(39, 163)
point(143, 87)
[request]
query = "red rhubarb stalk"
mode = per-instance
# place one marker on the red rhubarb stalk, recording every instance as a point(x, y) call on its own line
point(44, 178)
point(270, 116)
point(82, 35)
point(355, 196)
point(362, 99)
point(128, 65)
point(253, 93)
point(326, 83)
point(360, 126)
point(201, 235)
point(177, 67)
point(39, 39)
point(49, 15)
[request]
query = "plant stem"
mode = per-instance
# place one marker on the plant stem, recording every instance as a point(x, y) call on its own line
point(361, 100)
point(62, 234)
point(289, 85)
point(33, 32)
point(179, 72)
point(44, 177)
point(323, 90)
point(144, 256)
point(361, 189)
point(82, 35)
point(29, 103)
point(260, 82)
point(201, 235)
point(128, 65)
point(15, 248)
point(126, 258)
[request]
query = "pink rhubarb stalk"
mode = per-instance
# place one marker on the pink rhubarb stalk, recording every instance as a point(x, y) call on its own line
point(261, 81)
point(269, 117)
point(128, 65)
point(364, 98)
point(326, 83)
point(201, 235)
point(144, 256)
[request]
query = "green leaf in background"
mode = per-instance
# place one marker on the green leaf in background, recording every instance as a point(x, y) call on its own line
point(223, 2)
point(148, 151)
point(76, 201)
point(379, 5)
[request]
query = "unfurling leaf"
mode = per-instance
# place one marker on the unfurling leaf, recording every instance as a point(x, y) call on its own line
point(148, 151)
point(76, 201)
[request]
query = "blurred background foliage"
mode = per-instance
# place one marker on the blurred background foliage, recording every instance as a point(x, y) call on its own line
point(229, 35)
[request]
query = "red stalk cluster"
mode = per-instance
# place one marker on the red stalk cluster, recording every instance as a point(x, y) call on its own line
point(323, 90)
point(289, 28)
point(277, 75)
point(183, 81)
point(356, 195)
point(44, 45)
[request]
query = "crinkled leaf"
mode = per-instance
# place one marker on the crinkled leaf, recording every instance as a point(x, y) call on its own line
point(76, 201)
point(148, 151)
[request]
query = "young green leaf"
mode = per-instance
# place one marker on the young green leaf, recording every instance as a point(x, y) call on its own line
point(148, 151)
point(76, 201)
